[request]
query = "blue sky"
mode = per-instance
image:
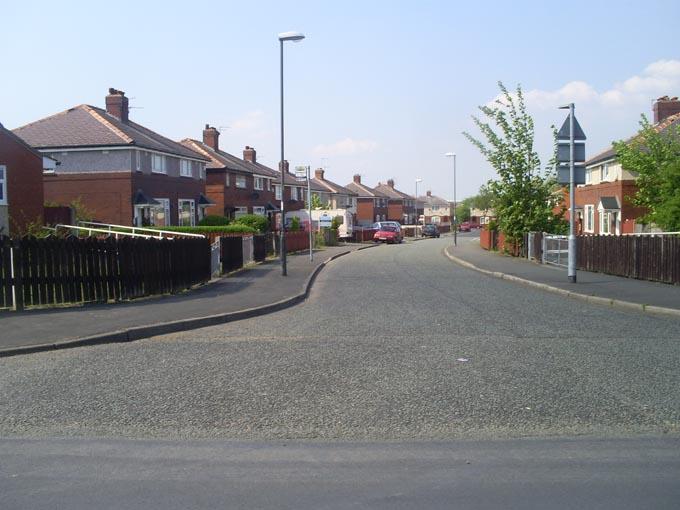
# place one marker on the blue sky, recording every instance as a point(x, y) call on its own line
point(383, 89)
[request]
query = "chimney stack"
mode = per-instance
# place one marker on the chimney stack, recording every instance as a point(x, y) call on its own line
point(211, 137)
point(390, 183)
point(249, 154)
point(357, 178)
point(429, 193)
point(664, 107)
point(117, 105)
point(318, 173)
point(285, 166)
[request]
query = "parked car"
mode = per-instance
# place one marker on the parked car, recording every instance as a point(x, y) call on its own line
point(430, 230)
point(379, 224)
point(387, 234)
point(465, 227)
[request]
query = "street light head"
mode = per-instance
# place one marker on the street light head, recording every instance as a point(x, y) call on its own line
point(419, 180)
point(565, 106)
point(291, 36)
point(450, 154)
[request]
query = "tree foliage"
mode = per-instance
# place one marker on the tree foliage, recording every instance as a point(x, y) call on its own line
point(523, 196)
point(655, 156)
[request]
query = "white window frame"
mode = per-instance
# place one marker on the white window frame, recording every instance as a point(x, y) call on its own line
point(589, 177)
point(226, 179)
point(589, 218)
point(240, 210)
point(192, 211)
point(158, 164)
point(293, 193)
point(277, 191)
point(258, 183)
point(604, 172)
point(185, 168)
point(3, 185)
point(240, 181)
point(258, 209)
point(138, 162)
point(269, 184)
point(165, 202)
point(604, 222)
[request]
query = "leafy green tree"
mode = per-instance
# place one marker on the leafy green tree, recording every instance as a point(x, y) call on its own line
point(523, 195)
point(655, 156)
point(317, 203)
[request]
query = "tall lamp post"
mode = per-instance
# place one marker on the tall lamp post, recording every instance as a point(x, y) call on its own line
point(455, 205)
point(283, 37)
point(415, 211)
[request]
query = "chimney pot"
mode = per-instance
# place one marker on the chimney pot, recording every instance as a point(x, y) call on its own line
point(211, 137)
point(285, 166)
point(390, 183)
point(318, 173)
point(429, 193)
point(664, 107)
point(357, 178)
point(249, 154)
point(117, 105)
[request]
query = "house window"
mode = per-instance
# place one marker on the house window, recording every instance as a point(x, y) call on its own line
point(588, 176)
point(138, 161)
point(185, 168)
point(201, 171)
point(301, 192)
point(3, 185)
point(604, 222)
point(186, 212)
point(240, 210)
point(240, 181)
point(269, 184)
point(293, 193)
point(590, 218)
point(258, 183)
point(604, 172)
point(258, 209)
point(161, 215)
point(277, 191)
point(158, 164)
point(226, 180)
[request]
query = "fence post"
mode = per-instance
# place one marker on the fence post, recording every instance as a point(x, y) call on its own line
point(17, 276)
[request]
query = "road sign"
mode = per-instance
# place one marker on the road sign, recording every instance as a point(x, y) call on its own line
point(563, 155)
point(563, 133)
point(325, 220)
point(579, 174)
point(301, 173)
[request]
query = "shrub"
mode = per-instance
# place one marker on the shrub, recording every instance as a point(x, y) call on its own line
point(294, 224)
point(226, 229)
point(213, 220)
point(259, 223)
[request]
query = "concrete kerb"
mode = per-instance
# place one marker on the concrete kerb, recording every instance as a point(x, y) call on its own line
point(615, 303)
point(163, 328)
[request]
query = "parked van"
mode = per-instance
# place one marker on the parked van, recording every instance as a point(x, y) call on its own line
point(344, 218)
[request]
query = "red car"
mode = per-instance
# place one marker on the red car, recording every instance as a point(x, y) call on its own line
point(387, 234)
point(465, 227)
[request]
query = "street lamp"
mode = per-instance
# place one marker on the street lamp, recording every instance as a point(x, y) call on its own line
point(455, 205)
point(415, 208)
point(283, 37)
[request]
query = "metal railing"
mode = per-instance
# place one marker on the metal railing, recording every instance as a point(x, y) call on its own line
point(160, 233)
point(113, 233)
point(555, 250)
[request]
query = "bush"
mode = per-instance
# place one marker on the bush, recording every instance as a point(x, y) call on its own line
point(259, 223)
point(213, 220)
point(226, 229)
point(294, 224)
point(492, 225)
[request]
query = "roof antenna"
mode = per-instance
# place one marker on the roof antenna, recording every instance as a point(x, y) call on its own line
point(134, 107)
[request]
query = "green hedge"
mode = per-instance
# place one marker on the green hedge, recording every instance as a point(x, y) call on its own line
point(213, 220)
point(259, 223)
point(227, 229)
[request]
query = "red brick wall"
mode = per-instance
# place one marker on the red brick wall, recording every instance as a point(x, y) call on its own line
point(24, 183)
point(365, 210)
point(173, 188)
point(108, 196)
point(622, 189)
point(227, 197)
point(395, 211)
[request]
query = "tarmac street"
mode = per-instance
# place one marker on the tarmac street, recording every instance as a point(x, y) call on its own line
point(394, 344)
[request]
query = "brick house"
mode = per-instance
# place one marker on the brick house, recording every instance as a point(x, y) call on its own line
point(400, 206)
point(235, 186)
point(436, 210)
point(120, 171)
point(21, 184)
point(603, 204)
point(338, 197)
point(371, 203)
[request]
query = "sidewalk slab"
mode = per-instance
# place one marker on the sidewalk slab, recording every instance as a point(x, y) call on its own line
point(602, 288)
point(243, 294)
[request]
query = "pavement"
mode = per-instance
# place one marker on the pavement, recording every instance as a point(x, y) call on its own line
point(598, 288)
point(253, 291)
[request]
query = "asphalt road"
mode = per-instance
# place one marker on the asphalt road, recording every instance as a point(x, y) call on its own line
point(395, 343)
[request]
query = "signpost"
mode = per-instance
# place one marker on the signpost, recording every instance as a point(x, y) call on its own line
point(325, 220)
point(571, 150)
point(302, 173)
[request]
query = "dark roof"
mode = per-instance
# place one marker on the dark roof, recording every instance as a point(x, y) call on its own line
point(89, 126)
point(221, 159)
point(610, 153)
point(141, 198)
point(18, 140)
point(393, 193)
point(203, 200)
point(609, 203)
point(364, 191)
point(332, 187)
point(433, 200)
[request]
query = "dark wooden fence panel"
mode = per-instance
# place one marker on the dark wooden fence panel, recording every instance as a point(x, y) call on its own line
point(259, 247)
point(71, 270)
point(654, 258)
point(232, 253)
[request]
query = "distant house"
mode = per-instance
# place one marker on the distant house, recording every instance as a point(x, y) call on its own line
point(21, 184)
point(235, 186)
point(371, 203)
point(481, 216)
point(603, 204)
point(120, 171)
point(336, 196)
point(400, 206)
point(436, 210)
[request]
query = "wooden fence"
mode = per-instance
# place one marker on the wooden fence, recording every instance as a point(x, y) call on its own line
point(655, 258)
point(51, 271)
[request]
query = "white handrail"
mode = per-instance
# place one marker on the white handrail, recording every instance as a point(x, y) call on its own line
point(104, 231)
point(141, 229)
point(652, 234)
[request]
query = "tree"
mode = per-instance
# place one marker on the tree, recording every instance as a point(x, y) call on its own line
point(523, 195)
point(316, 203)
point(654, 154)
